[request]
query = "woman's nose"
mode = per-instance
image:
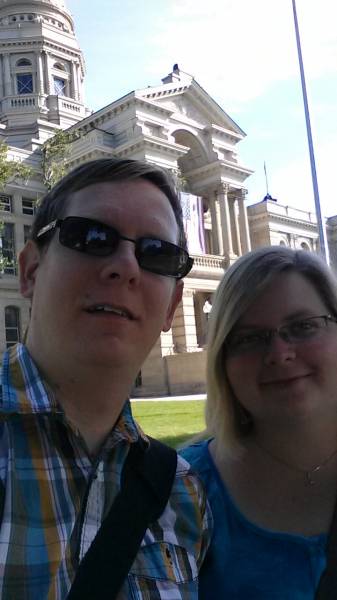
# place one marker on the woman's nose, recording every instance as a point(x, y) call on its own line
point(279, 350)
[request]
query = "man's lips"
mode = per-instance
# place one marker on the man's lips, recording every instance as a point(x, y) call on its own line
point(102, 308)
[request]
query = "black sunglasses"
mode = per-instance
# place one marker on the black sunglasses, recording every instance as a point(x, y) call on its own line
point(97, 239)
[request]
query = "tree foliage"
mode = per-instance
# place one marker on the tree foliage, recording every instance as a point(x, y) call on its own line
point(11, 170)
point(55, 154)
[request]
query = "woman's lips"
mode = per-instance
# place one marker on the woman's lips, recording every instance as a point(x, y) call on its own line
point(284, 380)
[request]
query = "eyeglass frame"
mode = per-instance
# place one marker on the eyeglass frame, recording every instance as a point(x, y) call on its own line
point(51, 227)
point(269, 334)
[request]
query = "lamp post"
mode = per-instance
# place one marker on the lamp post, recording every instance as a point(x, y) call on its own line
point(323, 247)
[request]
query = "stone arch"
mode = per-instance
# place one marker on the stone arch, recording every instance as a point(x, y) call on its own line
point(197, 154)
point(23, 62)
point(60, 66)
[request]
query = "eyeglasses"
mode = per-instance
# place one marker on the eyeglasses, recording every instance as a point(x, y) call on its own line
point(298, 331)
point(98, 239)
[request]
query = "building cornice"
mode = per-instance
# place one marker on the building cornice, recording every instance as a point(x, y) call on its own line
point(142, 143)
point(271, 218)
point(195, 93)
point(42, 44)
point(218, 167)
point(110, 111)
point(150, 142)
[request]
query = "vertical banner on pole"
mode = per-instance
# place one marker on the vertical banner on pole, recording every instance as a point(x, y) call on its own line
point(193, 218)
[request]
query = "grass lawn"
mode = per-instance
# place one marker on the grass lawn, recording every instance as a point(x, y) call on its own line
point(172, 422)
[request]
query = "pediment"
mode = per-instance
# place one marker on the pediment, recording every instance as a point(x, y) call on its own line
point(188, 99)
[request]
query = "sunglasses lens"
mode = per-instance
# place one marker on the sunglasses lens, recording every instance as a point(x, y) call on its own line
point(162, 257)
point(95, 238)
point(88, 236)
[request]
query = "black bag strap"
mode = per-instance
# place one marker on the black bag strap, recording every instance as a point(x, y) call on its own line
point(327, 587)
point(147, 480)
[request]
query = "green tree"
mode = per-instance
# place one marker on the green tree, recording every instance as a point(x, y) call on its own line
point(55, 154)
point(11, 170)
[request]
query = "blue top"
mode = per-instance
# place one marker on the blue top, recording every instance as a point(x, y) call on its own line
point(248, 562)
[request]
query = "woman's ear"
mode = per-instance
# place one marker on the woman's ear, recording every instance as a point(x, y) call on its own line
point(29, 262)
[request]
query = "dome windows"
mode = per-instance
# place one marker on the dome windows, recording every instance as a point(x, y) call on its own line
point(23, 62)
point(24, 76)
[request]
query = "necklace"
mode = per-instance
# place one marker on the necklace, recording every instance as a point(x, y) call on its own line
point(308, 473)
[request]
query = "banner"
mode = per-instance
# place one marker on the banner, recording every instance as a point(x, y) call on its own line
point(193, 218)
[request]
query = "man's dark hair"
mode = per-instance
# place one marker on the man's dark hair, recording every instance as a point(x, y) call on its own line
point(54, 203)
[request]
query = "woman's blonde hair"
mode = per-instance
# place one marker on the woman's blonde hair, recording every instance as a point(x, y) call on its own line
point(244, 281)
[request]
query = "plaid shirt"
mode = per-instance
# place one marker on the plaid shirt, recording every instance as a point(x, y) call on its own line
point(53, 498)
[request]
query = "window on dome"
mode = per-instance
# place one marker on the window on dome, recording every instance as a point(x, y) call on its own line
point(59, 66)
point(23, 62)
point(59, 86)
point(24, 83)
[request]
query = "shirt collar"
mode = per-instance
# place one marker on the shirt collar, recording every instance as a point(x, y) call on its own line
point(24, 392)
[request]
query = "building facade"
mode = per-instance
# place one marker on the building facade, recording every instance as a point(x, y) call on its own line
point(272, 223)
point(175, 125)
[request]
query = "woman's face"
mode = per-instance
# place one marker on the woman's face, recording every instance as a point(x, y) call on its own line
point(282, 379)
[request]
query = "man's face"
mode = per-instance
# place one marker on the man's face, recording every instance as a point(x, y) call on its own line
point(65, 285)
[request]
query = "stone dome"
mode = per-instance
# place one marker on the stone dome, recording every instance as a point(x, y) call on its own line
point(60, 4)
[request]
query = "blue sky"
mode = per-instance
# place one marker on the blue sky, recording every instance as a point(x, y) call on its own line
point(243, 53)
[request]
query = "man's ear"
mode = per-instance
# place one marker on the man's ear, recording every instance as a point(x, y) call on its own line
point(29, 262)
point(177, 295)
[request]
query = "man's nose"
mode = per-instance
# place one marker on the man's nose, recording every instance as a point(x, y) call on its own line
point(122, 264)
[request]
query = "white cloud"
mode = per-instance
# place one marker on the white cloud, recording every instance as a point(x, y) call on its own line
point(238, 49)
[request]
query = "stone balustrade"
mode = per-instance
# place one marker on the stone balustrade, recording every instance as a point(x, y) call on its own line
point(17, 103)
point(64, 104)
point(208, 265)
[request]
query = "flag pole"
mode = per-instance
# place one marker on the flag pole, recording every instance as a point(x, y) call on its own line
point(266, 177)
point(323, 247)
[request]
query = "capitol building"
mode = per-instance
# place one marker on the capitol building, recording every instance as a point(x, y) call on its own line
point(176, 125)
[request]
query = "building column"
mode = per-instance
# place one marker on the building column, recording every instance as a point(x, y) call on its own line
point(74, 81)
point(243, 220)
point(47, 73)
point(7, 76)
point(40, 78)
point(184, 326)
point(1, 78)
point(216, 227)
point(222, 197)
point(235, 225)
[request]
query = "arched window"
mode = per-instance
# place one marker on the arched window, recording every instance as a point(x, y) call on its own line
point(24, 76)
point(23, 62)
point(59, 66)
point(61, 79)
point(305, 246)
point(12, 325)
